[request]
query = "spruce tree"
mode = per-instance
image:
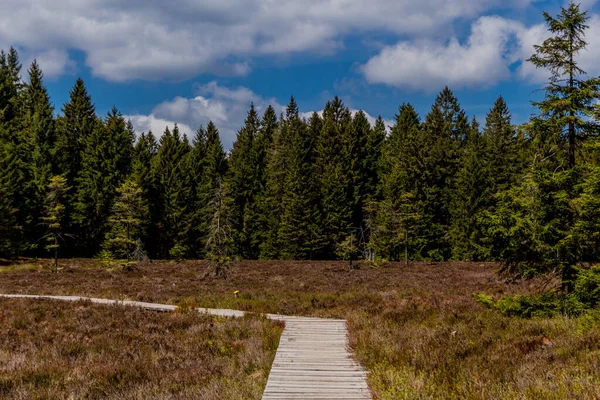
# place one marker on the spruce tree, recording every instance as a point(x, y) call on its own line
point(144, 151)
point(270, 206)
point(469, 200)
point(395, 234)
point(298, 229)
point(14, 176)
point(54, 216)
point(168, 168)
point(445, 130)
point(333, 173)
point(106, 161)
point(243, 182)
point(255, 217)
point(76, 125)
point(127, 219)
point(214, 170)
point(569, 98)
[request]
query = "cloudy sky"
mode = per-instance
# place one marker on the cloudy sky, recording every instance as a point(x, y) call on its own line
point(191, 61)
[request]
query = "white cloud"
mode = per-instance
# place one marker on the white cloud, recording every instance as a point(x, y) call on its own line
point(429, 65)
point(494, 46)
point(226, 107)
point(147, 123)
point(154, 39)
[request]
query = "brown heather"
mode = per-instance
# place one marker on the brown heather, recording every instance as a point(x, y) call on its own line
point(54, 350)
point(417, 329)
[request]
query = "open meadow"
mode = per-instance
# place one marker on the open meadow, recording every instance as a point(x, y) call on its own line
point(417, 329)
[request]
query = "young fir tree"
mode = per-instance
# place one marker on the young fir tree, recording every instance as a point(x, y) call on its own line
point(570, 98)
point(128, 217)
point(219, 240)
point(54, 215)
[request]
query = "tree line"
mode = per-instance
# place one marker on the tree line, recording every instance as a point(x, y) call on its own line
point(441, 187)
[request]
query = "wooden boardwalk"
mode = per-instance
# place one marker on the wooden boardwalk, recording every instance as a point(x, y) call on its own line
point(313, 360)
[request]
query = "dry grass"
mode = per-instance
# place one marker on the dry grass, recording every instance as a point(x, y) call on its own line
point(417, 329)
point(52, 350)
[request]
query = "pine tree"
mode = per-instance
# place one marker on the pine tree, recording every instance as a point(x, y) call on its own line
point(569, 100)
point(127, 220)
point(299, 213)
point(333, 163)
point(214, 170)
point(243, 182)
point(36, 124)
point(54, 216)
point(445, 130)
point(219, 241)
point(77, 124)
point(395, 235)
point(270, 206)
point(255, 217)
point(13, 159)
point(501, 146)
point(168, 168)
point(9, 229)
point(106, 161)
point(144, 151)
point(470, 199)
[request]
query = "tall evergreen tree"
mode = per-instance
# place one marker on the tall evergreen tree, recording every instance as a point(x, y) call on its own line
point(36, 125)
point(169, 171)
point(333, 174)
point(146, 148)
point(445, 130)
point(106, 161)
point(277, 165)
point(298, 227)
point(569, 100)
point(470, 199)
point(255, 216)
point(395, 232)
point(243, 182)
point(77, 124)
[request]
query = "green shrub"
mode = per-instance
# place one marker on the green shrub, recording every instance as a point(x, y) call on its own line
point(584, 298)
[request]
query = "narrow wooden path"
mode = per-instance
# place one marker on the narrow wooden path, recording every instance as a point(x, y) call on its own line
point(313, 360)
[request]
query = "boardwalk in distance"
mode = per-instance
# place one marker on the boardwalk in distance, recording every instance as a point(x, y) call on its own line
point(312, 360)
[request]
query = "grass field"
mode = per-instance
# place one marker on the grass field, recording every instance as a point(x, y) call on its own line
point(416, 328)
point(53, 350)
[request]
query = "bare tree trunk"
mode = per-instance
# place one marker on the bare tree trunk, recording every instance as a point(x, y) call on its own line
point(406, 248)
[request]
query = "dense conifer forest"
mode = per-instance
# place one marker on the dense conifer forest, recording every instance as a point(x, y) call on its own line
point(441, 186)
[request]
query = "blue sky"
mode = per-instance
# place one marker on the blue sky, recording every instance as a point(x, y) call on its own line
point(192, 61)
